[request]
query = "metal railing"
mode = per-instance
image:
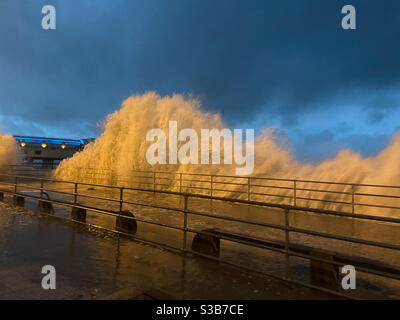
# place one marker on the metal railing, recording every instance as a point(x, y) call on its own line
point(36, 170)
point(15, 185)
point(338, 196)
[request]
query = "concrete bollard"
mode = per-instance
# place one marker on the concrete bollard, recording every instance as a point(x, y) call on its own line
point(126, 225)
point(1, 196)
point(19, 201)
point(206, 244)
point(45, 207)
point(78, 214)
point(321, 273)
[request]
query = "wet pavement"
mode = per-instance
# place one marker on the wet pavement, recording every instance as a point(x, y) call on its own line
point(93, 265)
point(96, 264)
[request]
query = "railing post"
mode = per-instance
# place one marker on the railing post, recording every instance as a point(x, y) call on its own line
point(121, 198)
point(248, 189)
point(180, 182)
point(41, 188)
point(287, 243)
point(185, 213)
point(154, 182)
point(352, 198)
point(294, 193)
point(211, 187)
point(75, 192)
point(16, 184)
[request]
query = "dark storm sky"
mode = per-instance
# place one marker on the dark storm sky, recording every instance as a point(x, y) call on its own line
point(286, 64)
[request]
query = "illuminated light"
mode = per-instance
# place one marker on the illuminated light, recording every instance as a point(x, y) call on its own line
point(68, 142)
point(23, 143)
point(44, 144)
point(63, 145)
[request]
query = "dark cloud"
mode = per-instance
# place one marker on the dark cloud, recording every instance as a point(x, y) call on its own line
point(282, 58)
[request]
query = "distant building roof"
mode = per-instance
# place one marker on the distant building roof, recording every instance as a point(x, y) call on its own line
point(71, 142)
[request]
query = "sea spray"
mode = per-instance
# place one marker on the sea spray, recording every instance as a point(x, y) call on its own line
point(8, 150)
point(121, 149)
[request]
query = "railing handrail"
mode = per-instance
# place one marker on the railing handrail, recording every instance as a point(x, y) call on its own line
point(209, 197)
point(286, 196)
point(253, 177)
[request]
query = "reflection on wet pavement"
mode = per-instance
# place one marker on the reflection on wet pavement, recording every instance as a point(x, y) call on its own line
point(98, 252)
point(92, 265)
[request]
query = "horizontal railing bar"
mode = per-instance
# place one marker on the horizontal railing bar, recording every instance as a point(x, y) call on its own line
point(222, 217)
point(141, 183)
point(271, 195)
point(96, 197)
point(269, 186)
point(342, 238)
point(261, 178)
point(292, 253)
point(195, 174)
point(27, 187)
point(153, 206)
point(375, 206)
point(272, 205)
point(323, 200)
point(223, 237)
point(359, 268)
point(192, 187)
point(230, 183)
point(7, 184)
point(376, 195)
point(191, 180)
point(326, 191)
point(348, 184)
point(305, 209)
point(346, 214)
point(31, 178)
point(163, 178)
point(57, 191)
point(11, 184)
point(162, 184)
point(304, 231)
point(144, 177)
point(225, 190)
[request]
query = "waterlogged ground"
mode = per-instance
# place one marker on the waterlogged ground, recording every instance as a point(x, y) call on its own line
point(367, 286)
point(92, 265)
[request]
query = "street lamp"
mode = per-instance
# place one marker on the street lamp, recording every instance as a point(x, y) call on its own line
point(23, 143)
point(63, 145)
point(44, 144)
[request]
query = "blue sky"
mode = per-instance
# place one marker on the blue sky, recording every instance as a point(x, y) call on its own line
point(286, 64)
